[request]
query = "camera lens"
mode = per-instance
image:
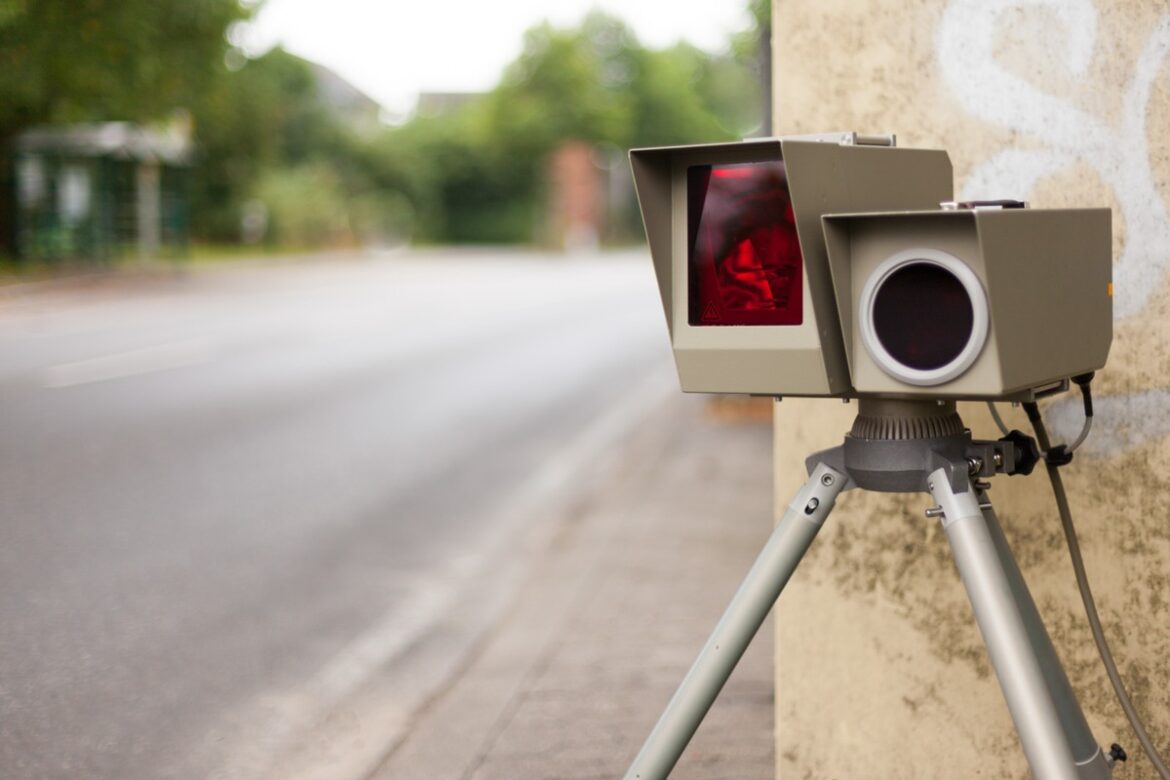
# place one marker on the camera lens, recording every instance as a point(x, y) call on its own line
point(923, 316)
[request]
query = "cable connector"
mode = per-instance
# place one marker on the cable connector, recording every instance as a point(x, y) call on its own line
point(1084, 381)
point(1058, 456)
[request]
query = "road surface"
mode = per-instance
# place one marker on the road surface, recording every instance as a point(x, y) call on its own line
point(231, 500)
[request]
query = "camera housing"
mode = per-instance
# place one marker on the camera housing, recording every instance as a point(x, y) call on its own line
point(972, 302)
point(738, 248)
point(826, 266)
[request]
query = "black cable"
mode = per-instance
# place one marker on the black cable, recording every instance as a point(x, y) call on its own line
point(1074, 550)
point(1084, 381)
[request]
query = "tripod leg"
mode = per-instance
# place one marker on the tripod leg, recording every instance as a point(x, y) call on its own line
point(739, 624)
point(1086, 751)
point(1039, 699)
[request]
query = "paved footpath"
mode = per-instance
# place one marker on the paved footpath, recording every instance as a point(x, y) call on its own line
point(618, 600)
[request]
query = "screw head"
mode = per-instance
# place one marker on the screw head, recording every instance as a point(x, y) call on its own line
point(827, 480)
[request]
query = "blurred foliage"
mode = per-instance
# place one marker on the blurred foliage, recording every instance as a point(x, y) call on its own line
point(69, 61)
point(747, 44)
point(255, 121)
point(484, 164)
point(94, 60)
point(265, 135)
point(304, 204)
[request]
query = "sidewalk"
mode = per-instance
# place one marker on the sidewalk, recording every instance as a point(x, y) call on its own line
point(616, 606)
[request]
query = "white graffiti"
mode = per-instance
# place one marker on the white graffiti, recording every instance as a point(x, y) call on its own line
point(1117, 150)
point(1121, 422)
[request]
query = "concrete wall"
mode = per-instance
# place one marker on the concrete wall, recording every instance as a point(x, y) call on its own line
point(881, 671)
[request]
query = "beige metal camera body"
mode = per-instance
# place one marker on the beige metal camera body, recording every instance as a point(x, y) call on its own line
point(826, 266)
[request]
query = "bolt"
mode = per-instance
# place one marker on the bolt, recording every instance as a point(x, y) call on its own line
point(997, 459)
point(974, 465)
point(827, 480)
point(811, 506)
point(934, 511)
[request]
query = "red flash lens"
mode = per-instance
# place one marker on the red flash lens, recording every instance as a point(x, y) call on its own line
point(744, 257)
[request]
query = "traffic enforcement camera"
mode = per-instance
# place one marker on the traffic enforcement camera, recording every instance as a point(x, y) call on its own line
point(838, 265)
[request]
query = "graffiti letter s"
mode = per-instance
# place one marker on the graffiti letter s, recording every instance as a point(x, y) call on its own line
point(1119, 152)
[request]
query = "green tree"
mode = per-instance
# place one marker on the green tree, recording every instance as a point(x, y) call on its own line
point(753, 48)
point(483, 169)
point(263, 132)
point(262, 115)
point(78, 60)
point(566, 84)
point(265, 135)
point(678, 98)
point(100, 60)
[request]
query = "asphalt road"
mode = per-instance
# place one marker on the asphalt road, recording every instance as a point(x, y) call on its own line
point(229, 497)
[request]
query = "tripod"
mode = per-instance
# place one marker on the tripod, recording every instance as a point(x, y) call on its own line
point(908, 446)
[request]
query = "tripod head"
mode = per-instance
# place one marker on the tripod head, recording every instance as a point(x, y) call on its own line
point(893, 444)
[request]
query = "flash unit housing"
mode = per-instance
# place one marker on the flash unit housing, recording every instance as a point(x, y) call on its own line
point(739, 251)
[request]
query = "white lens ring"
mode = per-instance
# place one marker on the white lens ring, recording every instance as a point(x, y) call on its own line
point(979, 325)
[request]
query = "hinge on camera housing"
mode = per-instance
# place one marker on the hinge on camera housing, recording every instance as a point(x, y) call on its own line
point(855, 139)
point(979, 205)
point(847, 139)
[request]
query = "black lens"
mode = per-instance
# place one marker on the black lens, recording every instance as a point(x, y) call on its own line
point(923, 316)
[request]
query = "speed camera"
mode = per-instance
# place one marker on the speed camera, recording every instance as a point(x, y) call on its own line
point(826, 266)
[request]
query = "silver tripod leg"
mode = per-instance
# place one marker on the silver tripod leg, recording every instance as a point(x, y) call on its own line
point(739, 624)
point(1052, 729)
point(1090, 759)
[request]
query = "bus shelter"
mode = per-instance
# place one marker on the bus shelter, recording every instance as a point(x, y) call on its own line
point(93, 193)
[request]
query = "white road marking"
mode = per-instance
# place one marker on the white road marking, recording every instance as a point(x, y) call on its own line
point(148, 360)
